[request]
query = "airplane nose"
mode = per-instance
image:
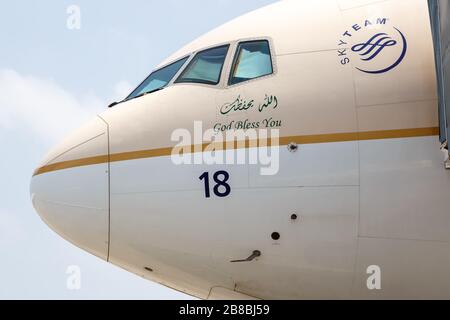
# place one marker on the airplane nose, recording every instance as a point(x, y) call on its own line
point(70, 189)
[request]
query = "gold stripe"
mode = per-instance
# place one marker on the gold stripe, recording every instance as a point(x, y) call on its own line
point(307, 139)
point(404, 133)
point(71, 164)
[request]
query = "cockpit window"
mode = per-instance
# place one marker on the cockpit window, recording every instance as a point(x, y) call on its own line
point(157, 79)
point(205, 67)
point(252, 60)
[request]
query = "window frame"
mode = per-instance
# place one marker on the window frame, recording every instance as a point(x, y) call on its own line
point(182, 67)
point(235, 58)
point(178, 79)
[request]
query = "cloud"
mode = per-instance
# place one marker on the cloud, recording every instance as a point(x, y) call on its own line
point(42, 106)
point(11, 228)
point(121, 90)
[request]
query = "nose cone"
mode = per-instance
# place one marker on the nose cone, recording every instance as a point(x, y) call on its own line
point(70, 189)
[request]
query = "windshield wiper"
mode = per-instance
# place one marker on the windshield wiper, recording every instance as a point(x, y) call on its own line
point(138, 96)
point(144, 93)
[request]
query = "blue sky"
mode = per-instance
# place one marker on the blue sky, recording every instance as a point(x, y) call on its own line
point(51, 80)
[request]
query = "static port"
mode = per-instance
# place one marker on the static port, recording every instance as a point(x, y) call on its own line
point(292, 147)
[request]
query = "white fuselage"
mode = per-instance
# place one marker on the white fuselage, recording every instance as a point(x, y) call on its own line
point(367, 182)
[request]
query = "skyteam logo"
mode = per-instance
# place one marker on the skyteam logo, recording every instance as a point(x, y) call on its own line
point(373, 47)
